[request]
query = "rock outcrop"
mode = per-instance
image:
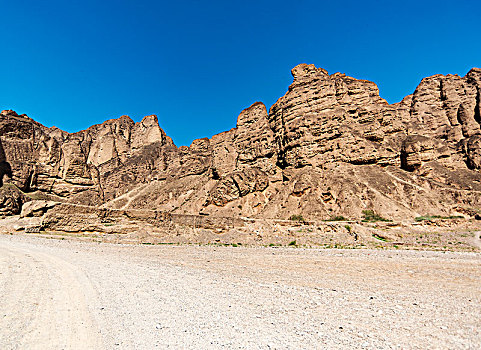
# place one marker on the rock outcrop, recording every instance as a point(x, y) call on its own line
point(11, 200)
point(330, 146)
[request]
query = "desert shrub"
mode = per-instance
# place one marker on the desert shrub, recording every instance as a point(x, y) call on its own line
point(293, 243)
point(337, 218)
point(381, 238)
point(297, 217)
point(433, 217)
point(372, 216)
point(348, 228)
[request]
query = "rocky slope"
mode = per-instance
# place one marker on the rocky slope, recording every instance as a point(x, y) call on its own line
point(330, 146)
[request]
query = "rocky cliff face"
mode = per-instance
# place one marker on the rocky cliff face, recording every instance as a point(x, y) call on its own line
point(330, 146)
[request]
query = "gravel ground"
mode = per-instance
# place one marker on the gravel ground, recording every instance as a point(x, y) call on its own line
point(79, 295)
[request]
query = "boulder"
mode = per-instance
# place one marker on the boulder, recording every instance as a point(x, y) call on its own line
point(11, 200)
point(37, 208)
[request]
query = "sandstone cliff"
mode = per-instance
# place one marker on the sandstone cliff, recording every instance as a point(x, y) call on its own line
point(330, 146)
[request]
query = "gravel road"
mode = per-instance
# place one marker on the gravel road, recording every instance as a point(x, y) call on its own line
point(58, 294)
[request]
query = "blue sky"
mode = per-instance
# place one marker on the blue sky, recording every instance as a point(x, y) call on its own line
point(197, 64)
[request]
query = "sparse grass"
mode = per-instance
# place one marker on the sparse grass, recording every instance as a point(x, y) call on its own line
point(218, 244)
point(297, 217)
point(372, 216)
point(379, 237)
point(337, 218)
point(37, 196)
point(433, 217)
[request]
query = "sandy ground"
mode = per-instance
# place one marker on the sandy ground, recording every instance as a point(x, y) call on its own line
point(77, 295)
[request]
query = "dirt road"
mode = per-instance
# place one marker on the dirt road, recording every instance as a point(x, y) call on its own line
point(73, 295)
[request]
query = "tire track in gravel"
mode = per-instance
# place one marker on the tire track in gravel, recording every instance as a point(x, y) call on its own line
point(61, 294)
point(44, 303)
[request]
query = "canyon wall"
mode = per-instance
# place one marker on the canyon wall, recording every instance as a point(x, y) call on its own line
point(331, 146)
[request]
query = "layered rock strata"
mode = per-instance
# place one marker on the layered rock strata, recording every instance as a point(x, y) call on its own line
point(331, 146)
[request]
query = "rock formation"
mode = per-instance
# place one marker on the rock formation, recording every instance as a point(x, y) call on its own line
point(330, 146)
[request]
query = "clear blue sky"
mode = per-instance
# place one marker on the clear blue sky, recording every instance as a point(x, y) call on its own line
point(197, 64)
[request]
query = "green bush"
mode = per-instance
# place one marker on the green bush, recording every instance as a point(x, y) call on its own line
point(348, 228)
point(337, 218)
point(381, 238)
point(433, 217)
point(371, 216)
point(297, 217)
point(293, 243)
